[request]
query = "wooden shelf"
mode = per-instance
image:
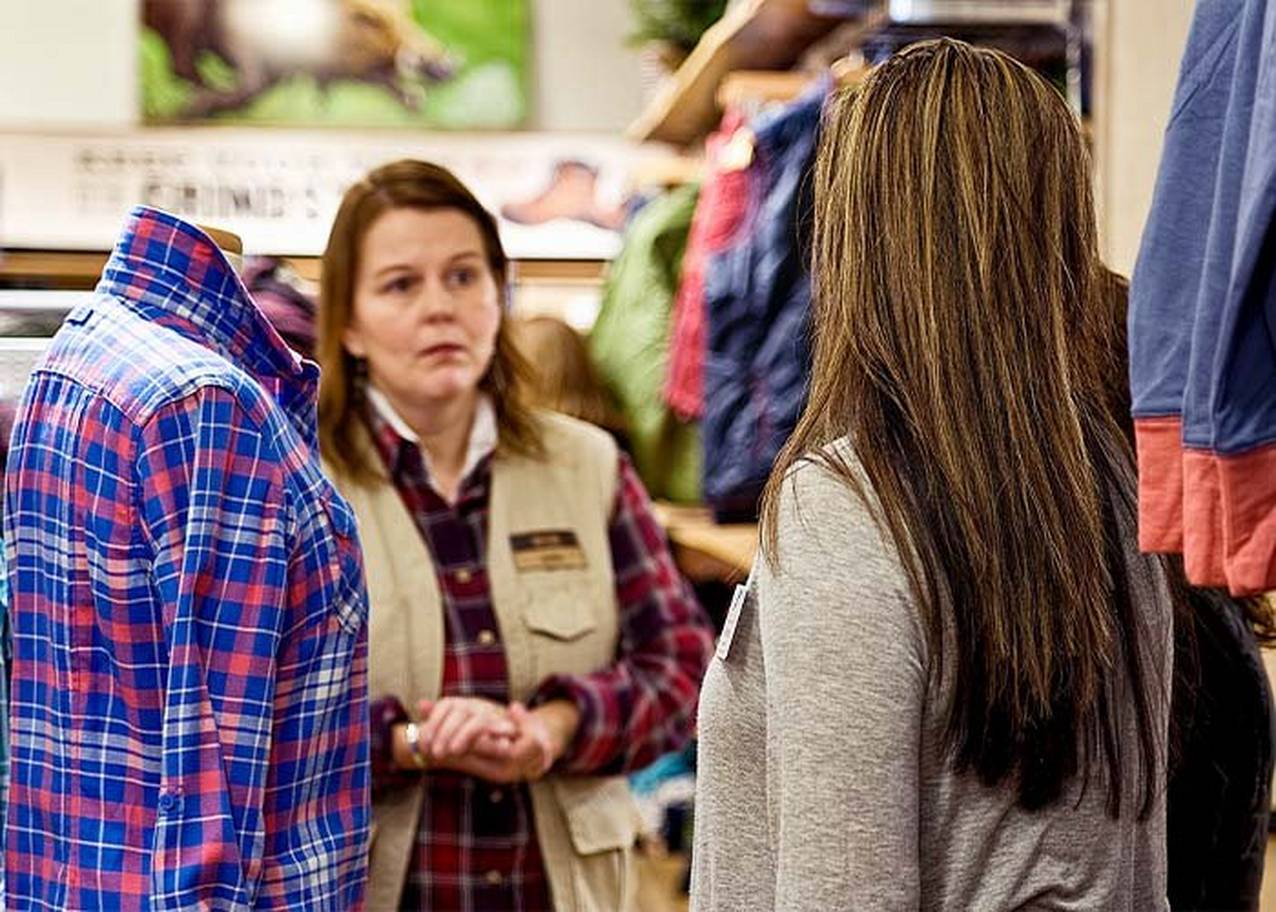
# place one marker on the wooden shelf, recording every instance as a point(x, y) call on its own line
point(753, 35)
point(79, 270)
point(704, 549)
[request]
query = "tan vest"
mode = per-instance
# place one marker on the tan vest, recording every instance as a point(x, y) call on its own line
point(551, 621)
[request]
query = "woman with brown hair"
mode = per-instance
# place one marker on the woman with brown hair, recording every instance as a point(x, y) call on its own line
point(950, 674)
point(530, 637)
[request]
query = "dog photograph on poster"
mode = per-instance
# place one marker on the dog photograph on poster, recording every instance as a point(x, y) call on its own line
point(397, 63)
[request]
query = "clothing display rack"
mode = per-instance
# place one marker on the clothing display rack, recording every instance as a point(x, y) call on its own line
point(773, 36)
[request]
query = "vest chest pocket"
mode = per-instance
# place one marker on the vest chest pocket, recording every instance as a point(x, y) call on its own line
point(560, 604)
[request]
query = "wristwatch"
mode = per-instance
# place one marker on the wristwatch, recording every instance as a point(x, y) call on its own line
point(413, 736)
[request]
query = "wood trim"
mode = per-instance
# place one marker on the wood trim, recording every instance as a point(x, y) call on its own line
point(50, 268)
point(705, 550)
point(79, 270)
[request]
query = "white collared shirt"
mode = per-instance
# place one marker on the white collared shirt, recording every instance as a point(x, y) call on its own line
point(482, 443)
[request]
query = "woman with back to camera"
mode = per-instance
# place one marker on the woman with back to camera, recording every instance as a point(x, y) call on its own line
point(948, 683)
point(529, 636)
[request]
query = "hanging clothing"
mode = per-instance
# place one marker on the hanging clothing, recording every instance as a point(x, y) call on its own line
point(286, 299)
point(1219, 795)
point(719, 213)
point(189, 614)
point(758, 297)
point(1203, 310)
point(630, 340)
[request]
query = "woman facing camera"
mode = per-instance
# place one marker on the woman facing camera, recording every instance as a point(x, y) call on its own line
point(947, 685)
point(530, 637)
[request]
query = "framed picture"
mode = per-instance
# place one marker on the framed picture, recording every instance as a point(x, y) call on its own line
point(439, 64)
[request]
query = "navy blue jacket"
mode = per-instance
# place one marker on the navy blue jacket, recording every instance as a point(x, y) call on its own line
point(758, 297)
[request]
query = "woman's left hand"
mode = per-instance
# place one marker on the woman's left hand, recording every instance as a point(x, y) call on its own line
point(541, 737)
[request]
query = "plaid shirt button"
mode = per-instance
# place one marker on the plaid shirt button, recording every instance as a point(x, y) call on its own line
point(486, 638)
point(494, 878)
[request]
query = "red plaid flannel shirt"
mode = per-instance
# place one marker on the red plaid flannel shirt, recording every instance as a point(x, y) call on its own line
point(631, 713)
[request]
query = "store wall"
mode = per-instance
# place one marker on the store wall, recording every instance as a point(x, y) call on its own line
point(587, 77)
point(1145, 40)
point(68, 63)
point(72, 63)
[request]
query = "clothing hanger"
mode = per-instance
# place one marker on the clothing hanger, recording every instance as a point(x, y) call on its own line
point(229, 243)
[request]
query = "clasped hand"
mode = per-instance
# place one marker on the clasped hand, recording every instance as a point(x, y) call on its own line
point(502, 744)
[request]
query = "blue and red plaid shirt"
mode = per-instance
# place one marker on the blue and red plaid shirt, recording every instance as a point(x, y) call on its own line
point(476, 844)
point(189, 699)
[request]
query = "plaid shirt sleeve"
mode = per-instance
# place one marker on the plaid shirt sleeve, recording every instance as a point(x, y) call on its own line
point(385, 714)
point(214, 510)
point(643, 706)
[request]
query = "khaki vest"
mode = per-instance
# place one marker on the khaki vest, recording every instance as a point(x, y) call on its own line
point(551, 621)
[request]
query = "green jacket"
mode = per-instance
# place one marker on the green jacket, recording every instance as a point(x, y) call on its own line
point(630, 342)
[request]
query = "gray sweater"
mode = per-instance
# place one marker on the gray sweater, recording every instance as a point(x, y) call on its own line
point(822, 782)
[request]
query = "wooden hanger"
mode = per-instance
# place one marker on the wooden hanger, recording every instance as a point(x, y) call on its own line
point(230, 244)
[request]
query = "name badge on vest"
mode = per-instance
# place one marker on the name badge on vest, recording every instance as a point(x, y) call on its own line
point(552, 549)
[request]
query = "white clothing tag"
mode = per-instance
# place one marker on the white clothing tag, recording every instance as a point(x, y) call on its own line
point(738, 601)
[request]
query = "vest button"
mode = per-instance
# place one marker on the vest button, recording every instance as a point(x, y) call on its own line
point(486, 638)
point(496, 796)
point(463, 576)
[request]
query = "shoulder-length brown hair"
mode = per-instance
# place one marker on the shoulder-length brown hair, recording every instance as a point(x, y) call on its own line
point(962, 346)
point(406, 185)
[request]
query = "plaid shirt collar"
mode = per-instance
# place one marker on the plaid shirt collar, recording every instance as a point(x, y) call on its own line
point(407, 461)
point(175, 274)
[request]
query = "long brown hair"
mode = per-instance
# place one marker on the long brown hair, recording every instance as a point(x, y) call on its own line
point(960, 346)
point(406, 185)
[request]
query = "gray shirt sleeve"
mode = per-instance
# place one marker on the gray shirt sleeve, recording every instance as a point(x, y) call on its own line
point(845, 689)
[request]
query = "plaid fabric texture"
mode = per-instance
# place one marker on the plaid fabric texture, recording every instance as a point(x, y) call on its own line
point(476, 843)
point(189, 616)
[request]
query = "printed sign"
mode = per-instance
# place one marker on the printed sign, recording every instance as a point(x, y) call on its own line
point(559, 196)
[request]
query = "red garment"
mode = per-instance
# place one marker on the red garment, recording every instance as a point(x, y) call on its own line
point(719, 212)
point(476, 843)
